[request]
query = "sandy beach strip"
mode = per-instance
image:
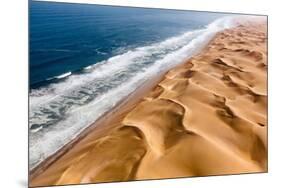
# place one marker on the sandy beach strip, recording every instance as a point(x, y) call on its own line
point(207, 116)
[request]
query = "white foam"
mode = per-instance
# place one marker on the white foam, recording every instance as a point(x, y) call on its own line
point(161, 57)
point(88, 67)
point(63, 75)
point(36, 129)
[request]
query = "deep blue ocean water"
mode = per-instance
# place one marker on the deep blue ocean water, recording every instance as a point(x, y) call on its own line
point(84, 59)
point(68, 37)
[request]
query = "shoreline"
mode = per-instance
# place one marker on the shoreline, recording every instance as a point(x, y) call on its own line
point(124, 105)
point(112, 121)
point(121, 107)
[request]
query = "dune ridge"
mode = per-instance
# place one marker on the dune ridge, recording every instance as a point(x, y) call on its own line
point(207, 116)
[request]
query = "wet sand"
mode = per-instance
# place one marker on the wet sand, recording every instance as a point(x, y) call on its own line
point(207, 116)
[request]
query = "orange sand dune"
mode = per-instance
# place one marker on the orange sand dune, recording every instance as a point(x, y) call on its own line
point(206, 117)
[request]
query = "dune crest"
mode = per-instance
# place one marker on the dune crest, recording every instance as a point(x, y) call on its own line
point(207, 116)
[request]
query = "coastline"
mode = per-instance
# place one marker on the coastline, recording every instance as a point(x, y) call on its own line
point(102, 124)
point(125, 122)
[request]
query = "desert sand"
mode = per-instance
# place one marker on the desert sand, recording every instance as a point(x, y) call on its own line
point(207, 116)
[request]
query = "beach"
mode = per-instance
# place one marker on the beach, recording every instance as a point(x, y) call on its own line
point(206, 116)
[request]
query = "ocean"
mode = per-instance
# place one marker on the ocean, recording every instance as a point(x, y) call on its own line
point(84, 59)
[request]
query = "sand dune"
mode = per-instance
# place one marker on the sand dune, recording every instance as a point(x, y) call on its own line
point(206, 117)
